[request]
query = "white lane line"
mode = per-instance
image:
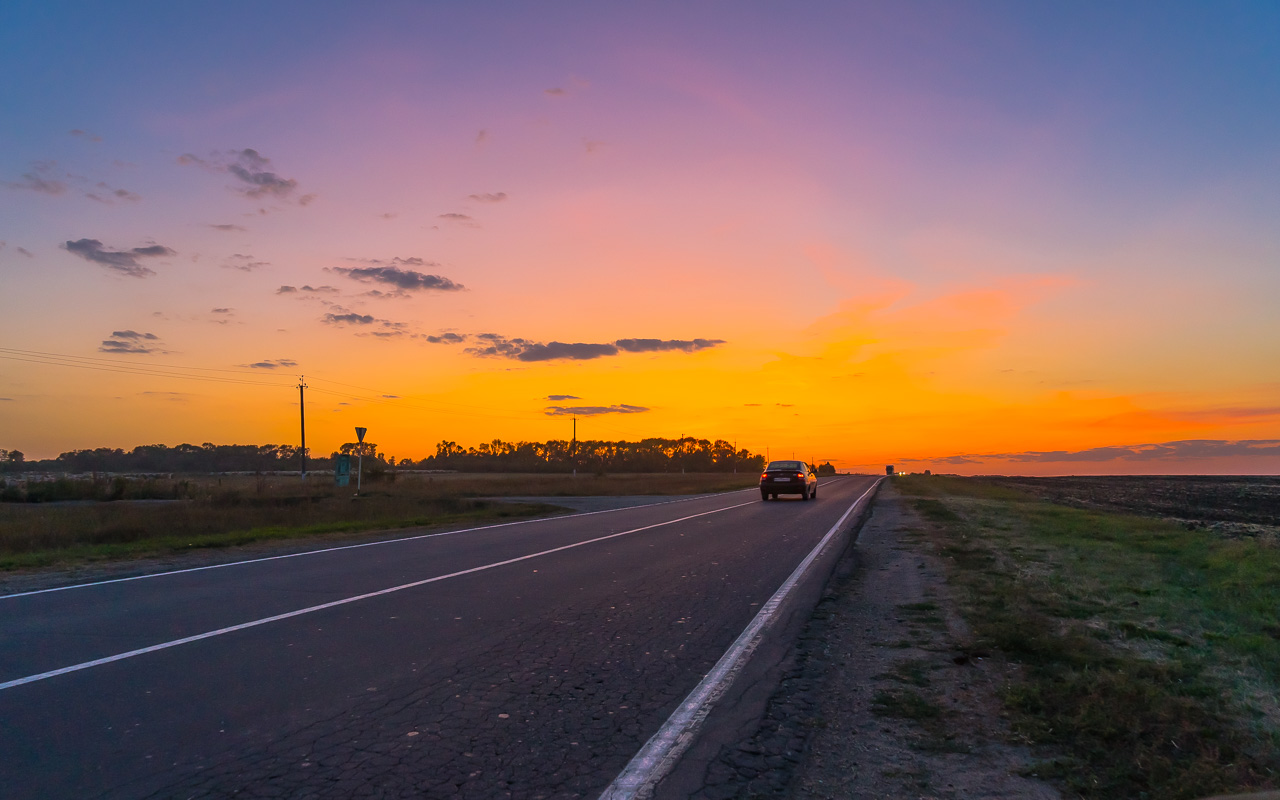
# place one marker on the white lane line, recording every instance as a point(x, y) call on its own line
point(242, 626)
point(664, 748)
point(364, 544)
point(373, 544)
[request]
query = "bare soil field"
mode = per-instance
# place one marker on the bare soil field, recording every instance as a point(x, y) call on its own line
point(1239, 505)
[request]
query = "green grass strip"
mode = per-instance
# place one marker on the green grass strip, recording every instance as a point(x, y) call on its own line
point(1149, 653)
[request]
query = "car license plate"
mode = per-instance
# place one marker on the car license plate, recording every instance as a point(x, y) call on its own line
point(782, 479)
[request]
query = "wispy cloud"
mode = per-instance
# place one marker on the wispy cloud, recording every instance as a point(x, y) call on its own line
point(244, 263)
point(365, 325)
point(40, 179)
point(24, 251)
point(593, 411)
point(106, 195)
point(123, 261)
point(447, 338)
point(229, 228)
point(554, 92)
point(45, 178)
point(253, 171)
point(349, 318)
point(494, 345)
point(132, 342)
point(491, 344)
point(271, 363)
point(459, 219)
point(488, 197)
point(560, 398)
point(313, 290)
point(575, 351)
point(393, 274)
point(79, 134)
point(664, 345)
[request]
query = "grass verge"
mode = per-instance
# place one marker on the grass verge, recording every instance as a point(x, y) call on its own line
point(1149, 653)
point(154, 517)
point(158, 544)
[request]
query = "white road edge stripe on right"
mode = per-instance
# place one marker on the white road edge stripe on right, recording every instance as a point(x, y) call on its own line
point(638, 779)
point(97, 662)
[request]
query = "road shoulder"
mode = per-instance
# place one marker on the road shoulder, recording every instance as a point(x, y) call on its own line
point(880, 697)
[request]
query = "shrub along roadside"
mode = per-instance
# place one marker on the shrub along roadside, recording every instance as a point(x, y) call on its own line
point(1149, 659)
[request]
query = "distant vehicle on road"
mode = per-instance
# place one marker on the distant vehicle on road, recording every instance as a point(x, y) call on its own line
point(788, 477)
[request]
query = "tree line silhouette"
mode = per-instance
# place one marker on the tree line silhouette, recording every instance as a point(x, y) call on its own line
point(558, 455)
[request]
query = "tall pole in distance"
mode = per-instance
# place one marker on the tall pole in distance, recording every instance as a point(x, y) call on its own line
point(573, 446)
point(302, 416)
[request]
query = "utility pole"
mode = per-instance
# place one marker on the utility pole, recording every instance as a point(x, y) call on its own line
point(573, 447)
point(302, 416)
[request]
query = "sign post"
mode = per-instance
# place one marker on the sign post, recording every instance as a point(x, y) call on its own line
point(360, 432)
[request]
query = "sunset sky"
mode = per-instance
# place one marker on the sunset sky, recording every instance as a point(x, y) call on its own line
point(1010, 237)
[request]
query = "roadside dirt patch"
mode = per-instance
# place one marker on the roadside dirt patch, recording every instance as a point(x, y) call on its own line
point(884, 700)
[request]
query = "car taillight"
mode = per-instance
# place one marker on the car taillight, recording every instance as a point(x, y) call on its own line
point(800, 475)
point(764, 475)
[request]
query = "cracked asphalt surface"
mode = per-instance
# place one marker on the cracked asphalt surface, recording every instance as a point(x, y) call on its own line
point(534, 679)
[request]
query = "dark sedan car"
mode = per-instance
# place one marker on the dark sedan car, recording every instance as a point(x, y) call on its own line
point(788, 477)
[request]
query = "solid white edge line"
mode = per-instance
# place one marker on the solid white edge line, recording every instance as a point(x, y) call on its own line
point(254, 623)
point(363, 544)
point(639, 777)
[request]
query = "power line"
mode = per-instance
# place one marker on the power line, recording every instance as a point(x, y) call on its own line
point(107, 365)
point(68, 357)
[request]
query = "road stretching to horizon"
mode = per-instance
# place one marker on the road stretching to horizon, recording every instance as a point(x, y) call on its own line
point(473, 664)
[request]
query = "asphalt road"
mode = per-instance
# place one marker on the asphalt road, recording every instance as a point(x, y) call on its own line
point(470, 664)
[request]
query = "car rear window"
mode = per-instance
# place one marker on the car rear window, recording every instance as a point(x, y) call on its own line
point(787, 465)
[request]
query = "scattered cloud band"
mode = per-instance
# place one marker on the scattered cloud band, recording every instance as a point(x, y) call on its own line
point(593, 411)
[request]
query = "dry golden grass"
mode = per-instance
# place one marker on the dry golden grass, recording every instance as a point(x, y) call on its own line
point(222, 511)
